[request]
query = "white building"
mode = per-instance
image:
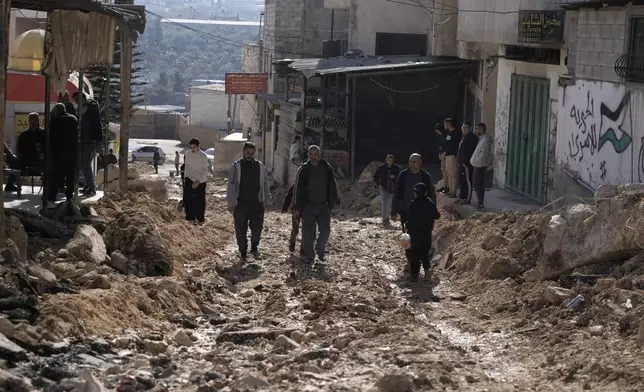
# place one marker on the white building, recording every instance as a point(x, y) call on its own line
point(209, 107)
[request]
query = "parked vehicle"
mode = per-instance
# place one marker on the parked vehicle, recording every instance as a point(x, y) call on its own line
point(211, 158)
point(146, 154)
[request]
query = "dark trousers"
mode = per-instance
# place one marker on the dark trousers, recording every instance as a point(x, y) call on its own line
point(63, 173)
point(403, 224)
point(194, 201)
point(156, 166)
point(479, 184)
point(295, 228)
point(248, 214)
point(87, 157)
point(465, 178)
point(420, 253)
point(315, 216)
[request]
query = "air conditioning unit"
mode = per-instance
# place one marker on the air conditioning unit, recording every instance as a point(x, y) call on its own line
point(331, 49)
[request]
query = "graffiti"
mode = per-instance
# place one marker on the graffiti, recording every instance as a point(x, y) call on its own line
point(602, 168)
point(612, 128)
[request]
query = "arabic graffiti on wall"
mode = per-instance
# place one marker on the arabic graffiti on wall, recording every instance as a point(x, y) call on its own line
point(599, 140)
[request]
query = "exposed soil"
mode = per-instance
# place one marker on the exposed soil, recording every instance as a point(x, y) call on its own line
point(352, 323)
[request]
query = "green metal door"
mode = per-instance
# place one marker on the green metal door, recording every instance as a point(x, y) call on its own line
point(528, 136)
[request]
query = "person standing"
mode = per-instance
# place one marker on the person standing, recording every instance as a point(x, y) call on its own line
point(31, 147)
point(466, 172)
point(91, 140)
point(111, 158)
point(63, 141)
point(156, 158)
point(440, 132)
point(452, 141)
point(422, 214)
point(194, 186)
point(404, 193)
point(177, 161)
point(482, 158)
point(316, 193)
point(247, 193)
point(385, 177)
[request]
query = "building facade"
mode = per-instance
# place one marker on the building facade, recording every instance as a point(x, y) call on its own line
point(209, 107)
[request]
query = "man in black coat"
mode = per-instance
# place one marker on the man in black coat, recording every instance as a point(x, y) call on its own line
point(422, 214)
point(385, 177)
point(63, 141)
point(466, 173)
point(316, 193)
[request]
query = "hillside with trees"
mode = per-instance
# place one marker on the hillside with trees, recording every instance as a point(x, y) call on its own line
point(173, 55)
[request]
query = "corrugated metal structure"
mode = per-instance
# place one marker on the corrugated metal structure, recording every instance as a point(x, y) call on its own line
point(527, 149)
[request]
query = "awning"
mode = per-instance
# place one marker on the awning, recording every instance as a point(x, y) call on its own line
point(594, 4)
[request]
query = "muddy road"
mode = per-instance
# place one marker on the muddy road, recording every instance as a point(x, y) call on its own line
point(352, 323)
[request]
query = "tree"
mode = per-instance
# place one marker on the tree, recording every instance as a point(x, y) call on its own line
point(178, 83)
point(163, 79)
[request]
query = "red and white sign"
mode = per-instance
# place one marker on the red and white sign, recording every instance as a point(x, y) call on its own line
point(246, 83)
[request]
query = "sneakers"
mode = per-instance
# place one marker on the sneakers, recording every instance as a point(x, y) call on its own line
point(428, 275)
point(386, 223)
point(255, 253)
point(413, 278)
point(243, 254)
point(479, 207)
point(321, 257)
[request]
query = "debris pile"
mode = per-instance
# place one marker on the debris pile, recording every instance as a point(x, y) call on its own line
point(361, 196)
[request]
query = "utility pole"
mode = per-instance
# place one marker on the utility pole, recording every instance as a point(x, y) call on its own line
point(4, 46)
point(230, 123)
point(126, 74)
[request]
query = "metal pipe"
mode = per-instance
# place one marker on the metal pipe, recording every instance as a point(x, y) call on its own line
point(353, 128)
point(323, 88)
point(332, 21)
point(45, 175)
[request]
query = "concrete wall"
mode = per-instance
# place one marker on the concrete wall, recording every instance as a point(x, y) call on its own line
point(208, 108)
point(296, 28)
point(502, 121)
point(600, 137)
point(500, 23)
point(206, 136)
point(368, 17)
point(600, 41)
point(227, 152)
point(248, 108)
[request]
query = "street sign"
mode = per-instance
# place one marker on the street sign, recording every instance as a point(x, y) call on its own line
point(246, 83)
point(541, 27)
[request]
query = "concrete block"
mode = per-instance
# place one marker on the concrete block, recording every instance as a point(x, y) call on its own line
point(595, 31)
point(602, 59)
point(618, 45)
point(605, 31)
point(593, 58)
point(583, 17)
point(582, 57)
point(591, 17)
point(609, 75)
point(617, 32)
point(583, 30)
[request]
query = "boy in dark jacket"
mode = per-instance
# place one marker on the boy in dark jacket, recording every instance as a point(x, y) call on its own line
point(422, 214)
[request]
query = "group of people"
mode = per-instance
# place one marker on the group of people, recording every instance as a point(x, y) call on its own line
point(465, 157)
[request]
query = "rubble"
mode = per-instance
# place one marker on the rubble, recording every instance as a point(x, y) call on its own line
point(87, 245)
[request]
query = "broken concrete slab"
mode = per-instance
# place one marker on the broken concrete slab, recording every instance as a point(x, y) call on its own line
point(88, 245)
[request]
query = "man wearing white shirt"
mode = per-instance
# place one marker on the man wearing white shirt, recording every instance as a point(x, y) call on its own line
point(194, 187)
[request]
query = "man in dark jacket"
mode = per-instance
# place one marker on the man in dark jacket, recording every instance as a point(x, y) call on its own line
point(63, 138)
point(156, 158)
point(440, 133)
point(91, 140)
point(404, 192)
point(452, 141)
point(385, 177)
point(31, 147)
point(465, 151)
point(422, 214)
point(295, 220)
point(316, 193)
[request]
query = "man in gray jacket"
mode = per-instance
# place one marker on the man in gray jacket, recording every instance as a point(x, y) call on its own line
point(248, 191)
point(481, 159)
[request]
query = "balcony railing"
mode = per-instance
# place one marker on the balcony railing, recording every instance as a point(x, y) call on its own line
point(630, 67)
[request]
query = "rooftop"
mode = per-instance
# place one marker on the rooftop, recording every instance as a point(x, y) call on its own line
point(326, 66)
point(210, 87)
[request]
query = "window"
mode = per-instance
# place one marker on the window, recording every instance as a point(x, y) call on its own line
point(393, 44)
point(636, 37)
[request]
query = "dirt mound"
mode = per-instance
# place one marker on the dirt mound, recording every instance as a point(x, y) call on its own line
point(361, 195)
point(134, 304)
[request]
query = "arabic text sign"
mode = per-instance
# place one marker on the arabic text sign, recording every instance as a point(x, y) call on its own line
point(541, 27)
point(21, 122)
point(246, 83)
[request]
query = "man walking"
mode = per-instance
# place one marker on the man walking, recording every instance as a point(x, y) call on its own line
point(385, 177)
point(63, 139)
point(422, 214)
point(177, 161)
point(452, 141)
point(156, 158)
point(248, 191)
point(440, 132)
point(316, 193)
point(91, 140)
point(481, 159)
point(194, 185)
point(466, 172)
point(404, 193)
